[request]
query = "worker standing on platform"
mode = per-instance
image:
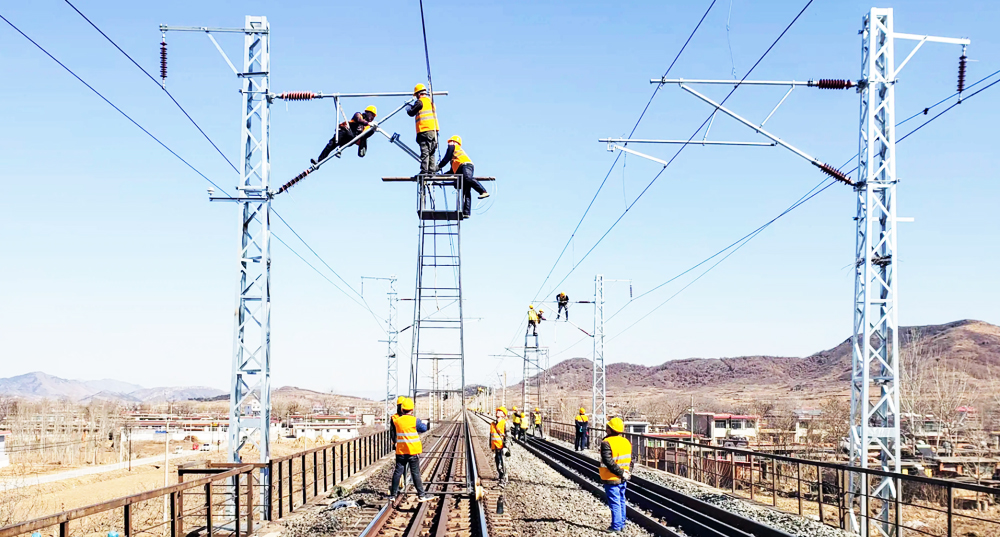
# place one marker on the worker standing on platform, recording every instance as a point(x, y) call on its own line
point(563, 300)
point(616, 466)
point(498, 441)
point(350, 130)
point(525, 423)
point(462, 165)
point(532, 321)
point(582, 426)
point(537, 418)
point(408, 448)
point(427, 126)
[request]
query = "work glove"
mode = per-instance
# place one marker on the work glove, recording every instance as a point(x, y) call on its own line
point(626, 476)
point(506, 452)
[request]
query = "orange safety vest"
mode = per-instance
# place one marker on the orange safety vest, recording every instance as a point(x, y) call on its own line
point(497, 430)
point(621, 452)
point(459, 158)
point(407, 437)
point(427, 117)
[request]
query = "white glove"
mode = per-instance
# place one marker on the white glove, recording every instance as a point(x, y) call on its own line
point(626, 476)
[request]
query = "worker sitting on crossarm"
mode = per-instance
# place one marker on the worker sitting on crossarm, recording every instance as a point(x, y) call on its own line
point(422, 110)
point(581, 423)
point(616, 466)
point(563, 300)
point(408, 448)
point(462, 165)
point(349, 130)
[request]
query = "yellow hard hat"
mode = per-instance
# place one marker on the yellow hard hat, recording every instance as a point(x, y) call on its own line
point(541, 311)
point(582, 410)
point(419, 88)
point(400, 399)
point(616, 425)
point(372, 109)
point(531, 306)
point(502, 409)
point(457, 139)
point(407, 404)
point(515, 409)
point(536, 409)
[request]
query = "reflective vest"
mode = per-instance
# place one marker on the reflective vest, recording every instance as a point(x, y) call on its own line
point(538, 418)
point(426, 118)
point(497, 431)
point(459, 157)
point(524, 421)
point(581, 418)
point(532, 316)
point(621, 452)
point(407, 437)
point(516, 419)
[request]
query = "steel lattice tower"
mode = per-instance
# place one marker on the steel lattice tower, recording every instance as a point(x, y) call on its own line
point(533, 373)
point(250, 396)
point(392, 360)
point(599, 396)
point(875, 342)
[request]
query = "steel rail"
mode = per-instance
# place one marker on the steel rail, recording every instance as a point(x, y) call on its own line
point(690, 514)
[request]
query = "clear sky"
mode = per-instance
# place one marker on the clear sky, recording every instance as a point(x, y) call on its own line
point(116, 265)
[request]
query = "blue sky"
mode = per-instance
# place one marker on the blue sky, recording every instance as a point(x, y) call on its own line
point(116, 265)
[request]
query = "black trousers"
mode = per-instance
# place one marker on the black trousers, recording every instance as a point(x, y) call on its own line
point(469, 183)
point(428, 142)
point(580, 442)
point(344, 136)
point(563, 307)
point(402, 461)
point(532, 328)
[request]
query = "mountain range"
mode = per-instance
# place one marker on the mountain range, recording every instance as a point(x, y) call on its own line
point(39, 385)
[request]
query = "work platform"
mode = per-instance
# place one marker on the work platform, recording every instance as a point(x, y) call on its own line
point(425, 207)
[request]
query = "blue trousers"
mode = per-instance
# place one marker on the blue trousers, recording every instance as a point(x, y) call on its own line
point(616, 501)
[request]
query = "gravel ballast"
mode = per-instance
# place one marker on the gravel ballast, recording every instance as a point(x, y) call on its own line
point(790, 523)
point(544, 503)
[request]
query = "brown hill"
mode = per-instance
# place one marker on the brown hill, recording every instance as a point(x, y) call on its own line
point(969, 346)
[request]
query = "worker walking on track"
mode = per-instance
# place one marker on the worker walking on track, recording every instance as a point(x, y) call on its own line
point(408, 448)
point(515, 420)
point(525, 422)
point(537, 419)
point(563, 300)
point(349, 130)
point(616, 466)
point(582, 425)
point(422, 110)
point(498, 442)
point(462, 165)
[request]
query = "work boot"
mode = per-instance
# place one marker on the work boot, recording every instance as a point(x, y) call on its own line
point(362, 151)
point(424, 498)
point(484, 195)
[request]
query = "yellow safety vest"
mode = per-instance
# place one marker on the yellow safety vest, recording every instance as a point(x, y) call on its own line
point(524, 421)
point(621, 452)
point(407, 437)
point(497, 430)
point(459, 157)
point(532, 316)
point(516, 419)
point(426, 118)
point(538, 418)
point(582, 418)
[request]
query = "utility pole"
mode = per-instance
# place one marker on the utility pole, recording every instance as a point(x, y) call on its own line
point(875, 342)
point(392, 333)
point(599, 394)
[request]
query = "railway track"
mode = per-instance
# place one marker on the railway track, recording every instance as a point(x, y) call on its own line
point(661, 510)
point(447, 468)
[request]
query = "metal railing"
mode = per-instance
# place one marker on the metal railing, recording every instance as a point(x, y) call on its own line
point(219, 498)
point(816, 489)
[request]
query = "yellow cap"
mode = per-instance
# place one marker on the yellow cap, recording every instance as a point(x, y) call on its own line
point(419, 88)
point(372, 109)
point(616, 425)
point(457, 139)
point(407, 404)
point(582, 410)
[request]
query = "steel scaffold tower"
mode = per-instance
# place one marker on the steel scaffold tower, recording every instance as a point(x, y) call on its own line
point(533, 373)
point(599, 396)
point(391, 341)
point(875, 341)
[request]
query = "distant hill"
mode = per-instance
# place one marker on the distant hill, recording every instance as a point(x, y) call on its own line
point(969, 346)
point(39, 385)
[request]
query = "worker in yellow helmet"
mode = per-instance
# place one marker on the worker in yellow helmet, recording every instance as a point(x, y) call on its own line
point(462, 165)
point(532, 321)
point(408, 448)
point(525, 423)
point(536, 418)
point(422, 110)
point(582, 425)
point(562, 299)
point(349, 130)
point(515, 420)
point(616, 466)
point(498, 442)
